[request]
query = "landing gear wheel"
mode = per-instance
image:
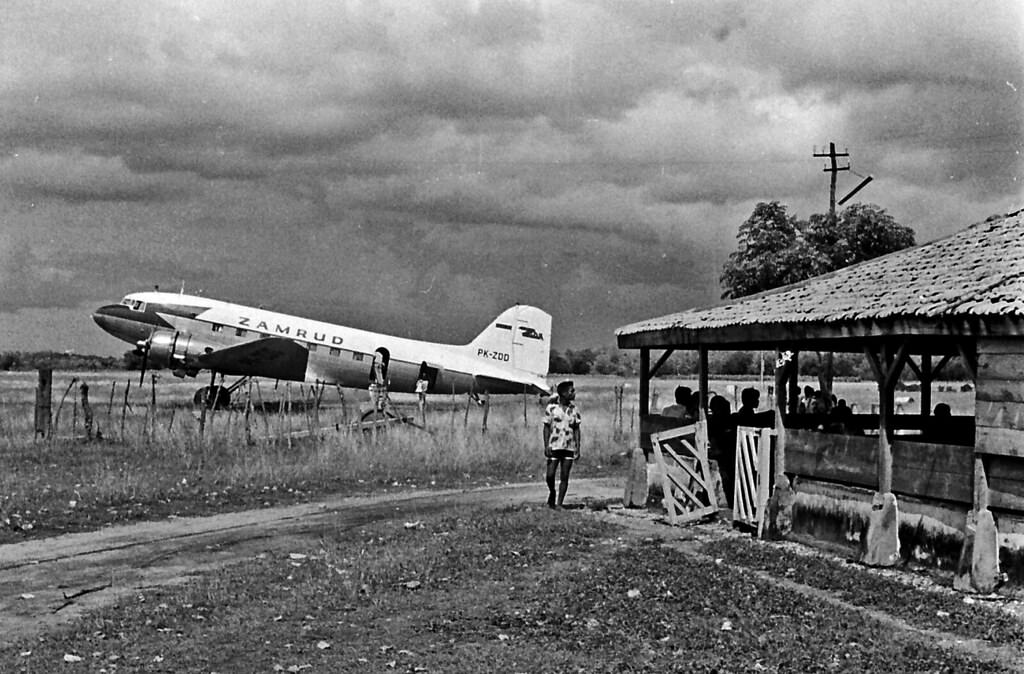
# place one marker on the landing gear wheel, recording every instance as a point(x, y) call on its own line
point(213, 397)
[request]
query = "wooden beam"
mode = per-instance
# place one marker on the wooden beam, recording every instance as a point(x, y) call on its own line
point(914, 367)
point(841, 337)
point(941, 366)
point(970, 360)
point(876, 366)
point(895, 367)
point(661, 361)
point(645, 382)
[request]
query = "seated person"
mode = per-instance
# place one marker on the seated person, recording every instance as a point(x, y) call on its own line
point(722, 441)
point(940, 427)
point(679, 409)
point(747, 415)
point(840, 420)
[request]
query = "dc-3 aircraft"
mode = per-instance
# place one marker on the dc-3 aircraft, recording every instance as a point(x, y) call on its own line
point(187, 334)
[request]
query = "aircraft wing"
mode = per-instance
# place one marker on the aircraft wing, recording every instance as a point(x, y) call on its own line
point(272, 357)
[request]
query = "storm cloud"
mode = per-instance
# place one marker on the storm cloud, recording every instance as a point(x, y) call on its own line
point(415, 167)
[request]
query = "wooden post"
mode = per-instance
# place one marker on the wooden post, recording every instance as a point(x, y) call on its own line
point(645, 382)
point(124, 406)
point(926, 384)
point(74, 417)
point(86, 410)
point(288, 411)
point(60, 405)
point(793, 399)
point(152, 406)
point(702, 383)
point(248, 413)
point(526, 423)
point(344, 409)
point(110, 403)
point(886, 405)
point(44, 395)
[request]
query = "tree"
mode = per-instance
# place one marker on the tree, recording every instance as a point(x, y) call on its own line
point(776, 249)
point(772, 252)
point(861, 232)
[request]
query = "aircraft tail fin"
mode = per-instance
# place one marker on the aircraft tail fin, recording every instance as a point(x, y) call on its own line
point(520, 337)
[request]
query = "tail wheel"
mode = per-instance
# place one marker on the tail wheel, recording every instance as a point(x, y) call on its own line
point(213, 397)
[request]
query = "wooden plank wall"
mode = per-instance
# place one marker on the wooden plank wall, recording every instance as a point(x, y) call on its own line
point(999, 397)
point(921, 469)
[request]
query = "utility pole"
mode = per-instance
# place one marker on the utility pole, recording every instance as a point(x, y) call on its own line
point(833, 168)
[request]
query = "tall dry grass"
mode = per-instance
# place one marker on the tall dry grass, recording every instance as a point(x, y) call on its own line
point(145, 455)
point(156, 456)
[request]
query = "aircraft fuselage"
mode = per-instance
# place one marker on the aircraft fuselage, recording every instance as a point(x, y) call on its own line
point(189, 333)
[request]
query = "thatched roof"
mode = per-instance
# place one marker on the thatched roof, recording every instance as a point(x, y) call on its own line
point(972, 278)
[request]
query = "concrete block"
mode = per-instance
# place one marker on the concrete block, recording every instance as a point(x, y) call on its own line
point(978, 567)
point(635, 495)
point(985, 556)
point(780, 509)
point(883, 541)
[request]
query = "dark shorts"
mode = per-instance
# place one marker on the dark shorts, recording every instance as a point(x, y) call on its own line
point(557, 454)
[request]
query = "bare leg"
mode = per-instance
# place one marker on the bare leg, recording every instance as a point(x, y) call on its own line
point(552, 467)
point(563, 486)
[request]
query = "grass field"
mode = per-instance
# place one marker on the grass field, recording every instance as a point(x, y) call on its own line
point(530, 590)
point(167, 458)
point(518, 590)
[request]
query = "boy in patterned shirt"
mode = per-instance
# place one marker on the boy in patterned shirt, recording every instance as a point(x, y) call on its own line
point(561, 440)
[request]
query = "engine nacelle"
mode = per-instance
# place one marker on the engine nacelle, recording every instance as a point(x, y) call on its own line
point(175, 350)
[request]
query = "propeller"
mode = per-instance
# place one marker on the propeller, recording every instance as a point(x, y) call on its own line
point(142, 348)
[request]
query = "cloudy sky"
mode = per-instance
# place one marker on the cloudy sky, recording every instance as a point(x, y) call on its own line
point(415, 167)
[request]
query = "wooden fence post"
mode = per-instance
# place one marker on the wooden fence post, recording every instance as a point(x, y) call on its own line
point(86, 410)
point(44, 394)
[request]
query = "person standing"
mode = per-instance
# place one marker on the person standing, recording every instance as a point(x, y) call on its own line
point(561, 440)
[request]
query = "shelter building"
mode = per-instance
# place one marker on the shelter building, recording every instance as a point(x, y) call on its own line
point(961, 296)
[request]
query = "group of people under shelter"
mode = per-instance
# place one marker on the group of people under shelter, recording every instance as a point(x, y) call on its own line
point(816, 410)
point(721, 425)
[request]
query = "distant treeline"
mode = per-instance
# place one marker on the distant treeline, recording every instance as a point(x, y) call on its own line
point(34, 360)
point(603, 360)
point(614, 361)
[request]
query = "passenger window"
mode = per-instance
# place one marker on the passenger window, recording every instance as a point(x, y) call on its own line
point(335, 352)
point(311, 347)
point(239, 332)
point(216, 328)
point(357, 356)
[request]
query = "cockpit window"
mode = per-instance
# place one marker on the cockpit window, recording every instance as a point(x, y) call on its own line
point(134, 305)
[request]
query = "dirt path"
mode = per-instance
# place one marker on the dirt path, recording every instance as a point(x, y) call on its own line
point(48, 582)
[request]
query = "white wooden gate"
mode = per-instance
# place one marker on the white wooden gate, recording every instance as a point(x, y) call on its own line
point(753, 476)
point(682, 456)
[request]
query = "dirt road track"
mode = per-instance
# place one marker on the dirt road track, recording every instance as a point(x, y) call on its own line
point(39, 579)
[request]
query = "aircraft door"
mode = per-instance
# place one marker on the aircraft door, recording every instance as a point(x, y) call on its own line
point(428, 373)
point(379, 369)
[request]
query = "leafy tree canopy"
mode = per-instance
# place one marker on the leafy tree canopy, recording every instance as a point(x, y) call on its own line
point(776, 249)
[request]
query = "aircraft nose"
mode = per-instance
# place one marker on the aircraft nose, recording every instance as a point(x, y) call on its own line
point(105, 317)
point(115, 320)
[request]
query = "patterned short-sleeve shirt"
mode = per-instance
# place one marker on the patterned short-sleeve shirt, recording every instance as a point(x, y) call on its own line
point(562, 422)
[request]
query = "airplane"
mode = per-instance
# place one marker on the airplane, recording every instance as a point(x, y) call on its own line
point(189, 333)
